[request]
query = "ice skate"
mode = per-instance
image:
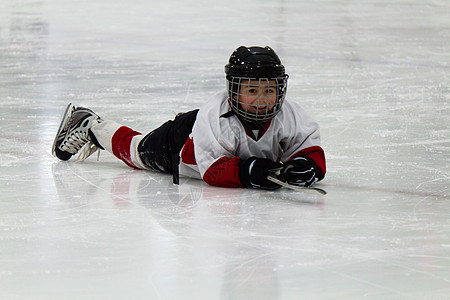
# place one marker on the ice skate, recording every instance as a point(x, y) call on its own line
point(74, 133)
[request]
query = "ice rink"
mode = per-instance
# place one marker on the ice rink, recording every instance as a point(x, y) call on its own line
point(374, 74)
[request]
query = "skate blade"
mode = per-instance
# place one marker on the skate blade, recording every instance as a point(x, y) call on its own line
point(64, 121)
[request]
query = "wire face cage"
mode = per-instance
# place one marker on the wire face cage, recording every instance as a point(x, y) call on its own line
point(256, 99)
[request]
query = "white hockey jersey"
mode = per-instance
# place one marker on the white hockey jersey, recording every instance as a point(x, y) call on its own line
point(217, 144)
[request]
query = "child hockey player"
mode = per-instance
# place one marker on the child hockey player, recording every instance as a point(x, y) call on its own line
point(237, 139)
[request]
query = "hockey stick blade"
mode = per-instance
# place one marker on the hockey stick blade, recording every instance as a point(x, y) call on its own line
point(294, 187)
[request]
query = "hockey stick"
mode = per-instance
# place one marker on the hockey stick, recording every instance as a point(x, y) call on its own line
point(294, 187)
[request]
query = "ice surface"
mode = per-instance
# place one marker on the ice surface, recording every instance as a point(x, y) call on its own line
point(374, 74)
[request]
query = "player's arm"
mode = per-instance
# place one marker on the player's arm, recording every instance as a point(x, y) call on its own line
point(215, 147)
point(219, 167)
point(237, 172)
point(305, 165)
point(304, 159)
point(305, 168)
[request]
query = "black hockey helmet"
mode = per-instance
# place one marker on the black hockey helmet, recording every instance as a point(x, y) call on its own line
point(254, 62)
point(251, 64)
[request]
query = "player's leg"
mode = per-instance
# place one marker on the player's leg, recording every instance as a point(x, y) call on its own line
point(82, 129)
point(121, 141)
point(159, 149)
point(155, 149)
point(83, 132)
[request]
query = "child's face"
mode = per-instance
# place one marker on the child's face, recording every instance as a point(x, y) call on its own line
point(258, 97)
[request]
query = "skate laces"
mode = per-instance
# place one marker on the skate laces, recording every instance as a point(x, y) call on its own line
point(79, 141)
point(87, 150)
point(75, 141)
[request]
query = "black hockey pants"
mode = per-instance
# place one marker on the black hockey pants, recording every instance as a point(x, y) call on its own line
point(160, 149)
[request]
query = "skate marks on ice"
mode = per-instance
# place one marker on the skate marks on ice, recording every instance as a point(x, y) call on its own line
point(387, 190)
point(242, 242)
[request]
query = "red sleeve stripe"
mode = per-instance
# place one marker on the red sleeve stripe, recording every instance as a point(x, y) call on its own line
point(224, 172)
point(121, 142)
point(317, 154)
point(188, 154)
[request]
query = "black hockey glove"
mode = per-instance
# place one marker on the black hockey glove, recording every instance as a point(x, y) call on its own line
point(253, 172)
point(301, 171)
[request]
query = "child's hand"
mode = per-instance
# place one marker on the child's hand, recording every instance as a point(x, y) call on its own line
point(254, 171)
point(300, 171)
